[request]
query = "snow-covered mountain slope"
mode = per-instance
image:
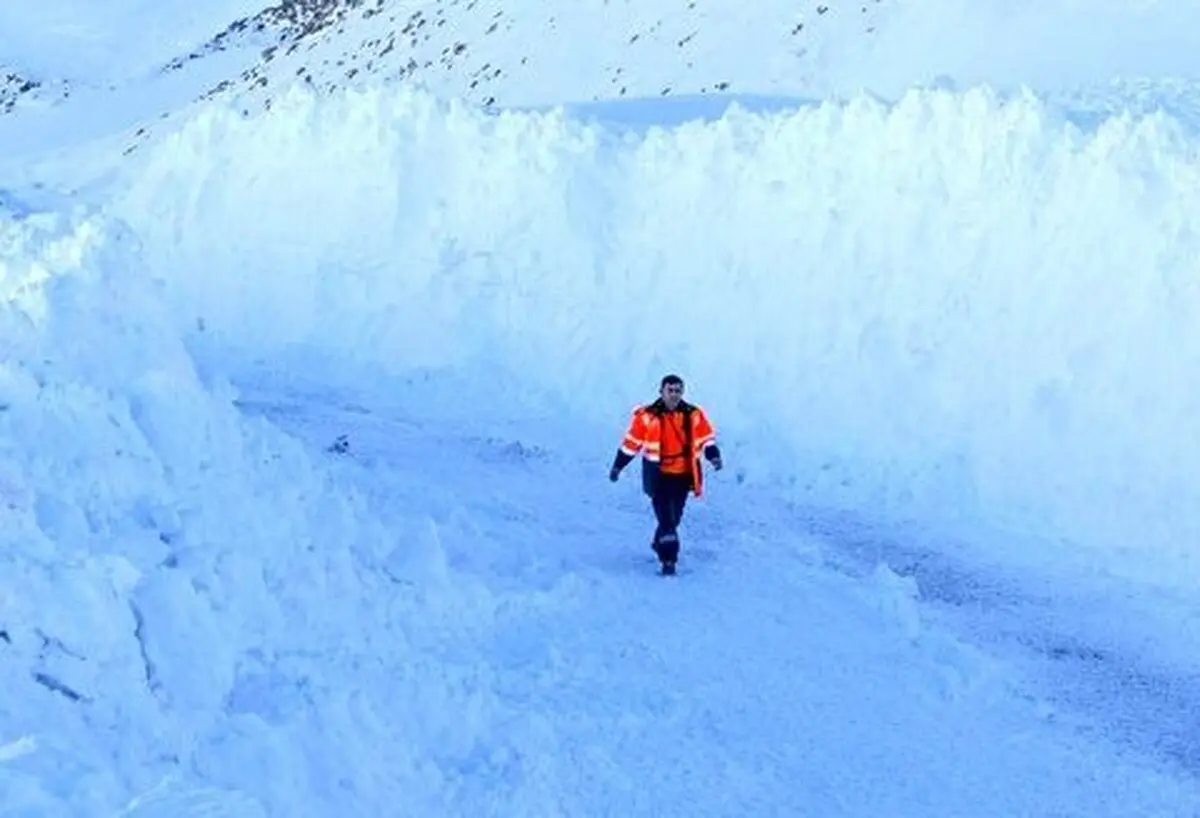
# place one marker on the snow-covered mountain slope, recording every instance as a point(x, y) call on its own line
point(501, 53)
point(1060, 45)
point(104, 45)
point(497, 52)
point(513, 53)
point(18, 89)
point(504, 53)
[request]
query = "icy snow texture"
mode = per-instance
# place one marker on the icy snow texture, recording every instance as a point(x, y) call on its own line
point(157, 609)
point(959, 309)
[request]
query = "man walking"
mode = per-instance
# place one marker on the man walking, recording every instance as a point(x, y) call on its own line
point(671, 434)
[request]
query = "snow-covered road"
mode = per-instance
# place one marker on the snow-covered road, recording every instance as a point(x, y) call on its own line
point(764, 680)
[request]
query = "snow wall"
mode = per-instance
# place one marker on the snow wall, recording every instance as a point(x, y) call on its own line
point(157, 616)
point(958, 309)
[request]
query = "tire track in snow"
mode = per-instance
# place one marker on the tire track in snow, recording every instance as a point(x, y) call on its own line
point(1080, 646)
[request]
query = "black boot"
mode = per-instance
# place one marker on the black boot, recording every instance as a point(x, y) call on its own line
point(666, 546)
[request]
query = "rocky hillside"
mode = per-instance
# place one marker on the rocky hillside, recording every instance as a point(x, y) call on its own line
point(515, 52)
point(494, 52)
point(17, 90)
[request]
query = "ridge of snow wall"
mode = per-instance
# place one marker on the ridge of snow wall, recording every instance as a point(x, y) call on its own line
point(958, 309)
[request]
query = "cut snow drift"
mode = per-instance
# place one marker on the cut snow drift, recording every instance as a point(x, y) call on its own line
point(959, 309)
point(181, 583)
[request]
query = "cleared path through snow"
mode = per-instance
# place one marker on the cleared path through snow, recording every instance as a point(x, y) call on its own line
point(758, 682)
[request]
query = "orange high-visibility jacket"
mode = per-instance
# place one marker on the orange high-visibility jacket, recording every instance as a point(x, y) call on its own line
point(650, 428)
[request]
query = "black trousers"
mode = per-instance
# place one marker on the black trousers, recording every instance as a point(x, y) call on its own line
point(668, 496)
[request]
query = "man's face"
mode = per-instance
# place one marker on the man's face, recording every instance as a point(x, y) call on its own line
point(672, 393)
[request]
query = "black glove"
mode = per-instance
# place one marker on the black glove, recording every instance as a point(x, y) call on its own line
point(620, 461)
point(716, 463)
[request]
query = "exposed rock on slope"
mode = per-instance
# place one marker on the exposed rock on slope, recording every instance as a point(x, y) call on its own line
point(17, 89)
point(513, 52)
point(491, 52)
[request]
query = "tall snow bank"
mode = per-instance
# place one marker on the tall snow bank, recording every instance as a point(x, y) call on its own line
point(958, 309)
point(186, 616)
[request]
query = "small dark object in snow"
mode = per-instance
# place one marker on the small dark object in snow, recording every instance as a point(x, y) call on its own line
point(50, 683)
point(341, 445)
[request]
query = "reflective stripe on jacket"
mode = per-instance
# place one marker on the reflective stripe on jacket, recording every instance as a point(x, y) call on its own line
point(648, 431)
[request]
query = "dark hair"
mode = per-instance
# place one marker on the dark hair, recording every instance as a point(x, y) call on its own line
point(670, 380)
